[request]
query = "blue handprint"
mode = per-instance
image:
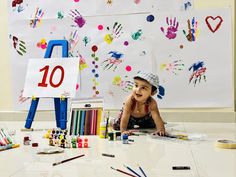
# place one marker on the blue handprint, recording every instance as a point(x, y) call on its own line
point(192, 30)
point(171, 29)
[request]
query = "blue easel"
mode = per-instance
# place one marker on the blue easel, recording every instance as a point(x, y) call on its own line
point(60, 104)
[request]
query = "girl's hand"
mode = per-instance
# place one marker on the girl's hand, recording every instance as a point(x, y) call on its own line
point(160, 132)
point(127, 132)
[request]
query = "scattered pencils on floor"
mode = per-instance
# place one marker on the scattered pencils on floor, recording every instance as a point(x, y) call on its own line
point(133, 173)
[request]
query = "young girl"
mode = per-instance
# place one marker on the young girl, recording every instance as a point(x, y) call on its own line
point(140, 109)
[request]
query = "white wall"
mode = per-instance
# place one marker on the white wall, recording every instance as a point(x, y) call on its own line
point(6, 105)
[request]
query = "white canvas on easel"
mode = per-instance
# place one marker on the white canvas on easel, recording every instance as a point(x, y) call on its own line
point(51, 78)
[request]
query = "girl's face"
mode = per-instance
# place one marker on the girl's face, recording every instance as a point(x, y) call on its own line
point(142, 90)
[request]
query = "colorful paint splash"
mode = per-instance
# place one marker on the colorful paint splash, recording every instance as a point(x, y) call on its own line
point(192, 32)
point(42, 44)
point(82, 63)
point(17, 5)
point(125, 85)
point(161, 92)
point(113, 61)
point(60, 15)
point(198, 72)
point(86, 40)
point(137, 35)
point(94, 70)
point(18, 45)
point(173, 67)
point(172, 28)
point(150, 18)
point(77, 18)
point(37, 19)
point(115, 32)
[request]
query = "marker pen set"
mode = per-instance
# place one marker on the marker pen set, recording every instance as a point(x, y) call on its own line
point(6, 141)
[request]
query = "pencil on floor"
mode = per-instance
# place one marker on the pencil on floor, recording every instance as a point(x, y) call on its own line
point(63, 161)
point(130, 169)
point(121, 171)
point(142, 171)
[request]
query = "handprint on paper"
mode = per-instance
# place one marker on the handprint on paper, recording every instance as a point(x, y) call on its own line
point(198, 72)
point(115, 33)
point(173, 67)
point(192, 31)
point(19, 45)
point(17, 4)
point(126, 86)
point(172, 28)
point(22, 99)
point(77, 18)
point(73, 41)
point(113, 61)
point(37, 18)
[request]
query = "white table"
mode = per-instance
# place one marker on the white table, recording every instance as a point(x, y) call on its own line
point(155, 156)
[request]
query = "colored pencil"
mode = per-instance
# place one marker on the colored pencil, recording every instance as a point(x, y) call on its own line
point(142, 171)
point(63, 161)
point(122, 172)
point(130, 169)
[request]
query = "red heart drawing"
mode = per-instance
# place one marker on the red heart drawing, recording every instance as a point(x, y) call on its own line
point(212, 19)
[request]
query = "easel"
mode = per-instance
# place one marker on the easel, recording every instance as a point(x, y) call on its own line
point(60, 104)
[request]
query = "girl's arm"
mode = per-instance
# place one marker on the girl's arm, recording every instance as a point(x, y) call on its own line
point(125, 115)
point(157, 118)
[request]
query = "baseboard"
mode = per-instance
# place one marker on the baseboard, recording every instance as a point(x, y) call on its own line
point(168, 116)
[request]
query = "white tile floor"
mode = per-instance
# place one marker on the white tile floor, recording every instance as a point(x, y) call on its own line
point(155, 156)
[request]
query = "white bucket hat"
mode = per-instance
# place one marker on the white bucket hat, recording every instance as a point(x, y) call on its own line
point(149, 77)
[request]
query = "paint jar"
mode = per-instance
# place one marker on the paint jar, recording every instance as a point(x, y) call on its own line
point(125, 139)
point(103, 129)
point(26, 140)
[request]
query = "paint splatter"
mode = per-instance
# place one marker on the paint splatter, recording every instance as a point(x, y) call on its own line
point(161, 92)
point(198, 72)
point(172, 28)
point(137, 1)
point(150, 18)
point(17, 5)
point(126, 43)
point(113, 61)
point(86, 40)
point(60, 15)
point(128, 68)
point(82, 63)
point(137, 35)
point(42, 44)
point(100, 27)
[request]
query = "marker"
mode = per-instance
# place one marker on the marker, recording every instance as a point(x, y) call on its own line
point(108, 155)
point(181, 168)
point(63, 161)
point(9, 146)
